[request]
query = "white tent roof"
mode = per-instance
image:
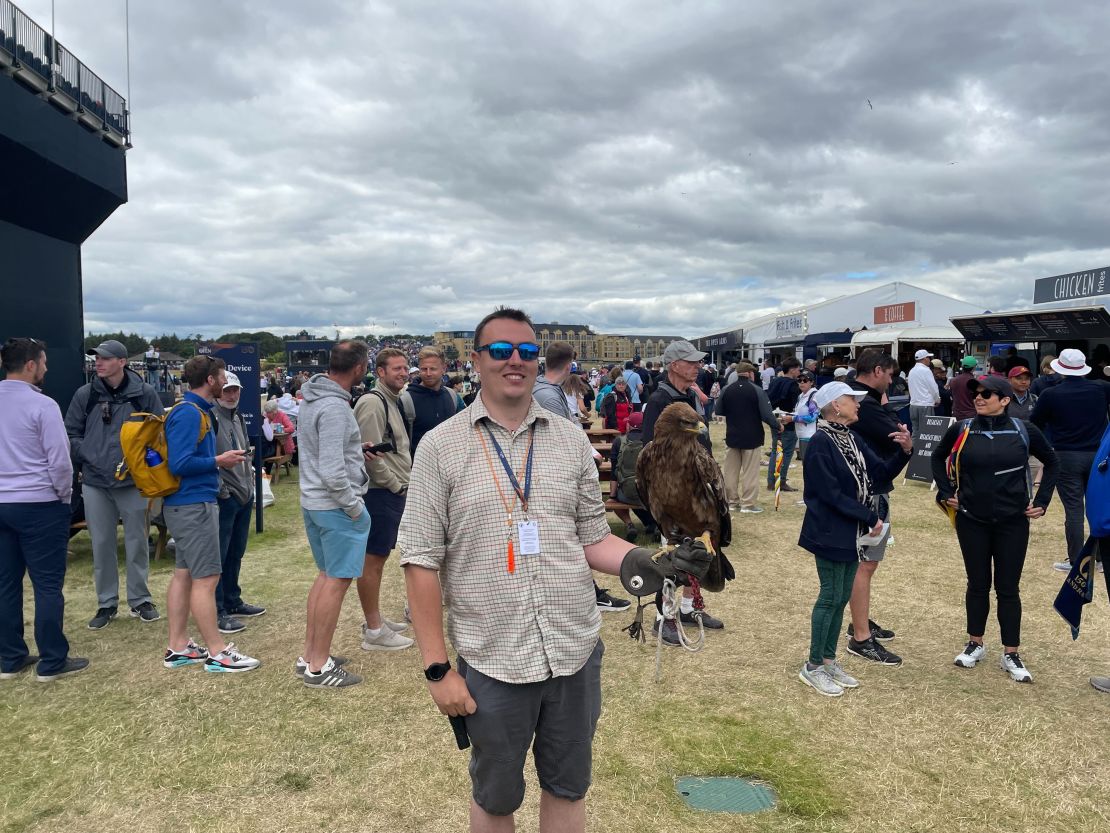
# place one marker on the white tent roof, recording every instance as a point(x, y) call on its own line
point(889, 335)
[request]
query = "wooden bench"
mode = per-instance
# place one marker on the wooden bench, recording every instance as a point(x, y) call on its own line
point(159, 545)
point(619, 508)
point(602, 435)
point(278, 462)
point(603, 448)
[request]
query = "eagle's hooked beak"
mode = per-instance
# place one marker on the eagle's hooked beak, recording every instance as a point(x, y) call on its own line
point(701, 429)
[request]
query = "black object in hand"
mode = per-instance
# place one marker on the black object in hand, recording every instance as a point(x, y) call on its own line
point(458, 726)
point(380, 448)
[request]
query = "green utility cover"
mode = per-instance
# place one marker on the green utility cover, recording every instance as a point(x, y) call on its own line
point(725, 795)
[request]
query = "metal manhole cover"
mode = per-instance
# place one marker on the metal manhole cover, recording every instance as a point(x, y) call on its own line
point(725, 795)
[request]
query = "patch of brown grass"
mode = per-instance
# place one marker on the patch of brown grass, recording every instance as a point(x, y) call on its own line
point(926, 747)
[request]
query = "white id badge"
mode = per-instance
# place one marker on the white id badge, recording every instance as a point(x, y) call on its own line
point(529, 533)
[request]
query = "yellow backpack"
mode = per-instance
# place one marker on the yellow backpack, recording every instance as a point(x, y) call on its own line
point(142, 437)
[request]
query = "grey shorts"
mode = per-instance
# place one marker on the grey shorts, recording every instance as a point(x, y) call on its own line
point(195, 528)
point(878, 552)
point(561, 714)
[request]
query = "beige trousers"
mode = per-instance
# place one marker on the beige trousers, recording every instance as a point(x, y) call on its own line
point(742, 475)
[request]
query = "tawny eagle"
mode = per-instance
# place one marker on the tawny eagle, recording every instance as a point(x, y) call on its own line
point(683, 488)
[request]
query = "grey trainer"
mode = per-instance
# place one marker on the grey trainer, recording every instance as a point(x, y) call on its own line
point(1101, 683)
point(331, 676)
point(841, 677)
point(819, 680)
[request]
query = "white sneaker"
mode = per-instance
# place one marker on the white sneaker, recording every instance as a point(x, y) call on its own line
point(1011, 663)
point(396, 627)
point(971, 654)
point(1062, 566)
point(386, 639)
point(750, 510)
point(231, 661)
point(820, 681)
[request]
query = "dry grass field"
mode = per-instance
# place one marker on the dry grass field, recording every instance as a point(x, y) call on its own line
point(926, 747)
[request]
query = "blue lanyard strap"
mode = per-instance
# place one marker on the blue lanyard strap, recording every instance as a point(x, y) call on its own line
point(527, 490)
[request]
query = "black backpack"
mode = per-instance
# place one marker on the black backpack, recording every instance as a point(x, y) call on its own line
point(625, 470)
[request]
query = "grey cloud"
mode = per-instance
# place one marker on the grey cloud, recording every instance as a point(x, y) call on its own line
point(644, 166)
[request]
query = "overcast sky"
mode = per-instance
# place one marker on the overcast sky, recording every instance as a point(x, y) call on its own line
point(646, 166)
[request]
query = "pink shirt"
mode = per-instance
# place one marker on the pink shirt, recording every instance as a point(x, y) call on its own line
point(34, 449)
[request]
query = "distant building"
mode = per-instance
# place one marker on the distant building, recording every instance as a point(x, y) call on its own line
point(592, 348)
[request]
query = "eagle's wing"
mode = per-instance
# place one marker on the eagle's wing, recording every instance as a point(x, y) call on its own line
point(644, 469)
point(709, 473)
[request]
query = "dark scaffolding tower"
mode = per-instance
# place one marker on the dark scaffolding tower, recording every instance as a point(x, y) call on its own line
point(63, 171)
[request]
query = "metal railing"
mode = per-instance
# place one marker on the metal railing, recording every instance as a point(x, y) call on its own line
point(31, 48)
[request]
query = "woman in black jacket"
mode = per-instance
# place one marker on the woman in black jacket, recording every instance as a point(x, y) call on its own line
point(981, 468)
point(840, 507)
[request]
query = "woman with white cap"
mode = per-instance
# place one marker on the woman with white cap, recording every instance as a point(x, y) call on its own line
point(840, 469)
point(981, 468)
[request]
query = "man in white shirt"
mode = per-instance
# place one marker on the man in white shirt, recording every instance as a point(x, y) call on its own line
point(767, 373)
point(924, 393)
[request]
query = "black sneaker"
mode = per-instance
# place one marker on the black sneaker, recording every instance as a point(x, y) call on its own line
point(229, 624)
point(104, 615)
point(787, 488)
point(871, 650)
point(707, 619)
point(22, 666)
point(146, 612)
point(877, 631)
point(670, 633)
point(247, 610)
point(607, 603)
point(72, 666)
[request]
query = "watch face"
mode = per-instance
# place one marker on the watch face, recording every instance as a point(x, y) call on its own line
point(437, 671)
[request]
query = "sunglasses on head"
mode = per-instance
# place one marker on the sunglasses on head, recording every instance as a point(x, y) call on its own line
point(503, 350)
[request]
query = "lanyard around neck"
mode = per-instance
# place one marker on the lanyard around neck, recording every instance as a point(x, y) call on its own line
point(518, 493)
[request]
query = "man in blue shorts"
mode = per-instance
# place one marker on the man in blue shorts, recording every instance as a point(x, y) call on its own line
point(333, 480)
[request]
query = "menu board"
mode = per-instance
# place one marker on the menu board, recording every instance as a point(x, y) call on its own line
point(925, 439)
point(1046, 325)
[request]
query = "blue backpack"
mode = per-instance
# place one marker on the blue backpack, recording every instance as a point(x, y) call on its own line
point(1098, 490)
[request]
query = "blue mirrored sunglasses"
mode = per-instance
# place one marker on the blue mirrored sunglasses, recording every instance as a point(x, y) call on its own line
point(503, 350)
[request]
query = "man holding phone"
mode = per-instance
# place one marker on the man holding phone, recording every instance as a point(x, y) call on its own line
point(236, 505)
point(381, 424)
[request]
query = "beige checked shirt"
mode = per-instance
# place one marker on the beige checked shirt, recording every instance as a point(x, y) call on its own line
point(540, 620)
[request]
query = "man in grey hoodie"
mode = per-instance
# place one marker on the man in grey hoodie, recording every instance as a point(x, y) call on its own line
point(93, 420)
point(333, 480)
point(236, 503)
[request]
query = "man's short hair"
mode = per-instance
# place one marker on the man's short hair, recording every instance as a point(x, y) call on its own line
point(347, 355)
point(790, 364)
point(196, 371)
point(744, 367)
point(874, 359)
point(628, 365)
point(387, 353)
point(649, 365)
point(559, 354)
point(500, 312)
point(997, 364)
point(16, 352)
point(429, 353)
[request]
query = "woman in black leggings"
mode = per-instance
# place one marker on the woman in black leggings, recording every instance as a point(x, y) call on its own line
point(981, 468)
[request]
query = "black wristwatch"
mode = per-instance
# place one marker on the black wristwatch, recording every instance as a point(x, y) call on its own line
point(437, 671)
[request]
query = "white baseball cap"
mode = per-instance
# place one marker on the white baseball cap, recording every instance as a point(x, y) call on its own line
point(1071, 362)
point(232, 381)
point(922, 354)
point(840, 373)
point(832, 391)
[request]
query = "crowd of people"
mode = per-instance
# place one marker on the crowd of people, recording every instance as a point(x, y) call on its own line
point(492, 494)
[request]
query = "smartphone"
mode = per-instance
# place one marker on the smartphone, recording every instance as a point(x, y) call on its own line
point(380, 448)
point(249, 450)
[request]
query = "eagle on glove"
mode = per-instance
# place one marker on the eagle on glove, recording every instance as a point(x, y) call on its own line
point(682, 486)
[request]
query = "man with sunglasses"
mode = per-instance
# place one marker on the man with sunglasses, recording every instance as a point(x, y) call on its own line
point(504, 508)
point(36, 483)
point(93, 421)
